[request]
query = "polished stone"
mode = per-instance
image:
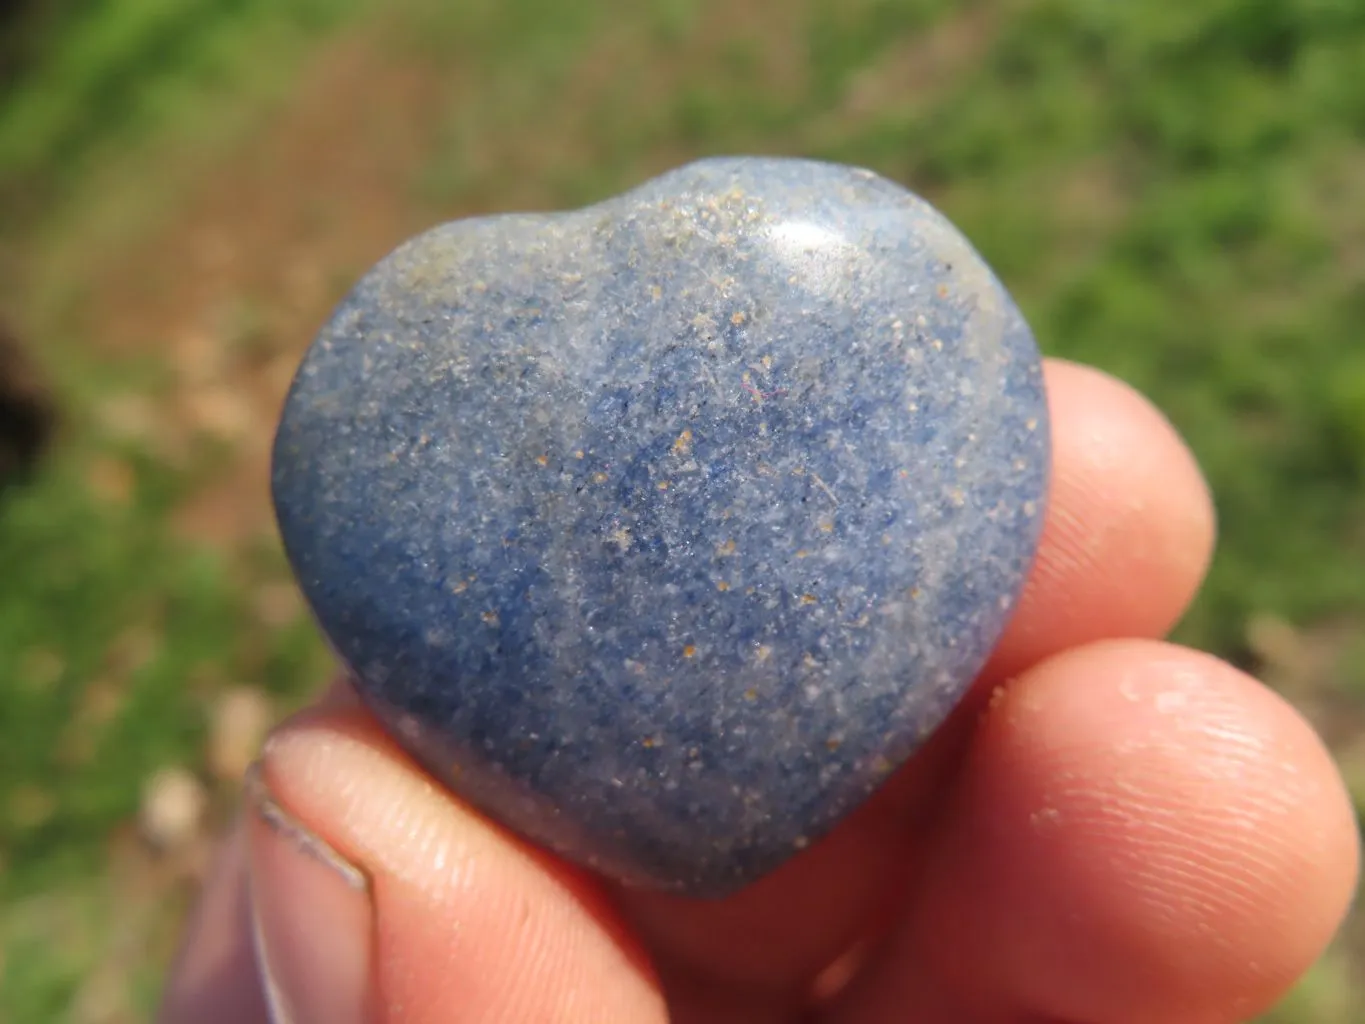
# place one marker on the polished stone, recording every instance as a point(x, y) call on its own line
point(665, 529)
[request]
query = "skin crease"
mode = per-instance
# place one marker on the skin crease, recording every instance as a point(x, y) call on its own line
point(1110, 829)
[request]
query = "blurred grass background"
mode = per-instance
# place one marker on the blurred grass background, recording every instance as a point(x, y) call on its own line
point(1175, 192)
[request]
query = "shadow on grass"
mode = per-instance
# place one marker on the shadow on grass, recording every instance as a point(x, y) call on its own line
point(27, 413)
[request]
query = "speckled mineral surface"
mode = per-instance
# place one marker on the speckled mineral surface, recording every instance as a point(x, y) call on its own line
point(663, 530)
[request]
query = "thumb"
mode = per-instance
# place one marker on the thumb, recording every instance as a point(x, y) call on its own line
point(377, 897)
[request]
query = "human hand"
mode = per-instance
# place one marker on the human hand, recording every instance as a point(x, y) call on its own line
point(1110, 829)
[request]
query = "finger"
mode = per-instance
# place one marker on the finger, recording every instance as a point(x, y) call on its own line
point(1129, 530)
point(379, 898)
point(214, 978)
point(1127, 539)
point(313, 919)
point(1142, 834)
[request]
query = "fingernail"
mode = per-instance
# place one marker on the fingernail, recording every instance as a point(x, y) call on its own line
point(313, 918)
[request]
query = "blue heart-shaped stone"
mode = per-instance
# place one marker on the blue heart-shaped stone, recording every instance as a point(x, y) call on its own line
point(665, 529)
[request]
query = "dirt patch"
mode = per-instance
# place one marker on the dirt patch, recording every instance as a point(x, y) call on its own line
point(233, 281)
point(1309, 666)
point(910, 71)
point(920, 65)
point(322, 189)
point(234, 284)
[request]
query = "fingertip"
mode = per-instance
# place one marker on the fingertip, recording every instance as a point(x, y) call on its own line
point(466, 915)
point(312, 916)
point(1146, 833)
point(1130, 526)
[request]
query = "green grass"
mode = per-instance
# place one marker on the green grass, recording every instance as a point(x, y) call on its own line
point(1175, 192)
point(112, 70)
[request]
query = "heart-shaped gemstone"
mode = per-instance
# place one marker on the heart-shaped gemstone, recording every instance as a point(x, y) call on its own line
point(664, 530)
